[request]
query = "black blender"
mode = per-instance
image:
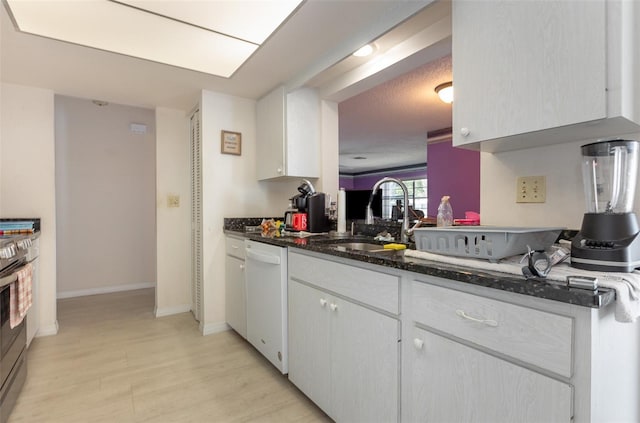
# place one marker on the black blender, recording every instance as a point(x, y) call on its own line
point(608, 240)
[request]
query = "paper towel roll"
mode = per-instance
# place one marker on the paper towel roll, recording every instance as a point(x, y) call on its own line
point(342, 211)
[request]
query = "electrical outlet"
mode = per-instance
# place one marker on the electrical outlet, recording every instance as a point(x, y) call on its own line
point(531, 189)
point(173, 200)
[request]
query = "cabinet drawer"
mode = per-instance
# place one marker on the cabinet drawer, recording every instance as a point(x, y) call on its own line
point(536, 337)
point(235, 247)
point(370, 287)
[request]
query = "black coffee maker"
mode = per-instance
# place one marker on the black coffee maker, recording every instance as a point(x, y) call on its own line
point(317, 220)
point(313, 204)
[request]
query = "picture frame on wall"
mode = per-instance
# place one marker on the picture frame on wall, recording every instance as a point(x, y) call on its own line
point(231, 143)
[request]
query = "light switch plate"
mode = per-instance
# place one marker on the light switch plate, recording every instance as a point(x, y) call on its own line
point(173, 200)
point(531, 189)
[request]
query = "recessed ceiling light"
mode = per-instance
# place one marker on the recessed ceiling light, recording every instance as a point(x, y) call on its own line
point(100, 103)
point(364, 51)
point(359, 158)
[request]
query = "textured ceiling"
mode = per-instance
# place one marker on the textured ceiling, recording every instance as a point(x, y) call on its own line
point(388, 124)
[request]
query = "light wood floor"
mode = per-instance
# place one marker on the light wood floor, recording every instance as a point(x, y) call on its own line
point(112, 361)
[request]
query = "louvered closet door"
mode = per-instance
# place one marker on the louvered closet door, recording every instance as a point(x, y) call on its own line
point(196, 215)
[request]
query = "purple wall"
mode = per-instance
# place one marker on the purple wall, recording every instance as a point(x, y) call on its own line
point(454, 172)
point(346, 182)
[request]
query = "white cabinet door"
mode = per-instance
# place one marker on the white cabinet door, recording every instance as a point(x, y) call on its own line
point(270, 114)
point(364, 364)
point(303, 151)
point(288, 134)
point(525, 66)
point(455, 383)
point(309, 342)
point(235, 295)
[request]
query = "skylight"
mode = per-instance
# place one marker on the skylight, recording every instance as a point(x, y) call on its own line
point(214, 37)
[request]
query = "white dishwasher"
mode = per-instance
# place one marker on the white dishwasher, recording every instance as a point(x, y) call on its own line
point(266, 273)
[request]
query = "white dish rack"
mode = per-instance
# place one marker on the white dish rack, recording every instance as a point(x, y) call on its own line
point(484, 242)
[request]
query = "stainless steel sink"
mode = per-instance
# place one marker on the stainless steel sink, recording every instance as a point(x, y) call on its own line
point(361, 246)
point(365, 246)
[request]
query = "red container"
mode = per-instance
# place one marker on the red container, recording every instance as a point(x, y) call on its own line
point(300, 221)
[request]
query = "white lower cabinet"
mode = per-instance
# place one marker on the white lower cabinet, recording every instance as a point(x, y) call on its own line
point(364, 364)
point(342, 355)
point(452, 382)
point(309, 344)
point(476, 359)
point(360, 335)
point(235, 295)
point(235, 286)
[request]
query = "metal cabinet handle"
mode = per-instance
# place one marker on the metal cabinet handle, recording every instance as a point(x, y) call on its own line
point(418, 343)
point(235, 247)
point(465, 132)
point(323, 302)
point(487, 322)
point(333, 306)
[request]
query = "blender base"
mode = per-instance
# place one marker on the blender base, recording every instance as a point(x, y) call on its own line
point(607, 243)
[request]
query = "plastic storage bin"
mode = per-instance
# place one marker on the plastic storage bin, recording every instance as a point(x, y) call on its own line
point(484, 242)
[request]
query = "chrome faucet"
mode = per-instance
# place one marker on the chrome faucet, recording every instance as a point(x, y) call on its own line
point(404, 235)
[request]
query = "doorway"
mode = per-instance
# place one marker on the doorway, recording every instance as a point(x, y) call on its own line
point(105, 197)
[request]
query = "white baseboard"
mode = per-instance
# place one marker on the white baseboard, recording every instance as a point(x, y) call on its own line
point(104, 290)
point(47, 330)
point(211, 328)
point(168, 311)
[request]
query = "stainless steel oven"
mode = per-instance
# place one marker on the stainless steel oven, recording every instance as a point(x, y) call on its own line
point(15, 253)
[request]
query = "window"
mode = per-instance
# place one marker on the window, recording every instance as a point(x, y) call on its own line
point(391, 193)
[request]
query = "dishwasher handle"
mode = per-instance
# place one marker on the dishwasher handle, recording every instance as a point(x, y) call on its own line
point(261, 257)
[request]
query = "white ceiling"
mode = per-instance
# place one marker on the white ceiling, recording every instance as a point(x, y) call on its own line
point(312, 47)
point(317, 35)
point(215, 46)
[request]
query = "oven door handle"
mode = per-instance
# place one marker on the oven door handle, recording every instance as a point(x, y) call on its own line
point(13, 276)
point(9, 279)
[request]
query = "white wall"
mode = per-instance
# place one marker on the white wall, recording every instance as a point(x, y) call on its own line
point(173, 249)
point(28, 174)
point(105, 197)
point(230, 189)
point(0, 111)
point(560, 164)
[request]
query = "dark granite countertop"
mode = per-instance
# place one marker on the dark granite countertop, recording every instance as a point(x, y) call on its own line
point(495, 280)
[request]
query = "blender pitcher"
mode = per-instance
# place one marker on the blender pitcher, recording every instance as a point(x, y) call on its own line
point(609, 171)
point(608, 239)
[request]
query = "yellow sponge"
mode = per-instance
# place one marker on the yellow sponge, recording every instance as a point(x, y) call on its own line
point(395, 246)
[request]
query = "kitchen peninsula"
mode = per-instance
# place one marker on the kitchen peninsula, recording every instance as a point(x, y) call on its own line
point(379, 336)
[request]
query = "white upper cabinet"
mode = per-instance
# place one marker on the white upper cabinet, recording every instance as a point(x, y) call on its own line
point(530, 73)
point(288, 134)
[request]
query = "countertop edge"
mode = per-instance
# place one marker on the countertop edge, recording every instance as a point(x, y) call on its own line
point(494, 280)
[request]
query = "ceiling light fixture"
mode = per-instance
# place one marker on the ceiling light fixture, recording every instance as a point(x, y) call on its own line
point(212, 37)
point(364, 51)
point(445, 91)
